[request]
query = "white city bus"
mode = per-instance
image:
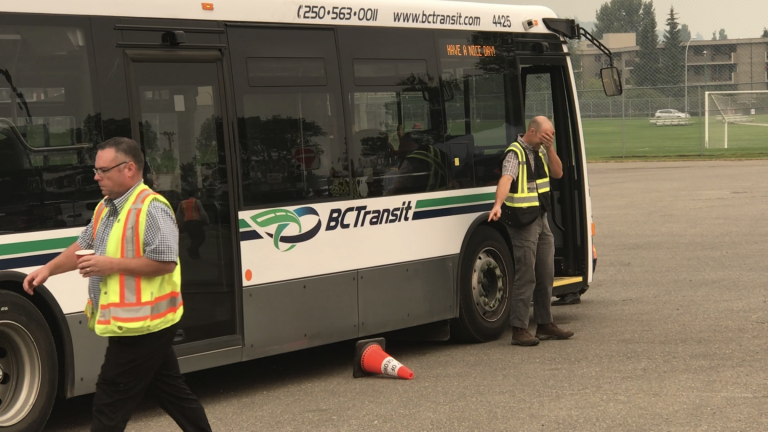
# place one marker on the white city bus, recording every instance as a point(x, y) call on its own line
point(346, 155)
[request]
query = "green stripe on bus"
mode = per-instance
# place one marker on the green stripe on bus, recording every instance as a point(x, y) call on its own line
point(244, 224)
point(36, 246)
point(463, 199)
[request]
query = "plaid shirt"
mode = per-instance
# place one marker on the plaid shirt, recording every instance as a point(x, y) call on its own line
point(511, 167)
point(161, 236)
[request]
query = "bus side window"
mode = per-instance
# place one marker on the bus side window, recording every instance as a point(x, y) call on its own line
point(392, 149)
point(290, 120)
point(480, 98)
point(47, 123)
point(395, 116)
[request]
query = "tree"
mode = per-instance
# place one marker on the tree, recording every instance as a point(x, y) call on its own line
point(714, 35)
point(148, 134)
point(722, 35)
point(208, 148)
point(618, 16)
point(169, 136)
point(685, 33)
point(646, 72)
point(673, 54)
point(765, 32)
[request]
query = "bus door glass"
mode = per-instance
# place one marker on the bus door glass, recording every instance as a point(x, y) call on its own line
point(547, 92)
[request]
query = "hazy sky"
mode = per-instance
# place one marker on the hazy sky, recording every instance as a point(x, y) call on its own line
point(739, 18)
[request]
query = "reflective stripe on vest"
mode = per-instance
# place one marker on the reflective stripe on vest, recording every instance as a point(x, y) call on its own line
point(133, 312)
point(97, 216)
point(522, 198)
point(189, 207)
point(130, 286)
point(543, 184)
point(132, 305)
point(438, 178)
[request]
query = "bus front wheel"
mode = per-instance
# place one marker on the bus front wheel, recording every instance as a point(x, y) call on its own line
point(28, 365)
point(486, 273)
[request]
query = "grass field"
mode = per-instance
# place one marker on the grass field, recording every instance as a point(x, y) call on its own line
point(644, 140)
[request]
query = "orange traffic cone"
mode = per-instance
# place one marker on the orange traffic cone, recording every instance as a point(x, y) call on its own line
point(370, 359)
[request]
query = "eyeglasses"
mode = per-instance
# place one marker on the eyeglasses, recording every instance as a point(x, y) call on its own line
point(102, 171)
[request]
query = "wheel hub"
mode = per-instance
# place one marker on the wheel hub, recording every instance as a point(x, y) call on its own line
point(487, 283)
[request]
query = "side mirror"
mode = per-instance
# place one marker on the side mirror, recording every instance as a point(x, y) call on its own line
point(611, 81)
point(563, 26)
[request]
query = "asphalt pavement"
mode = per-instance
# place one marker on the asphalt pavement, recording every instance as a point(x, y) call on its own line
point(671, 336)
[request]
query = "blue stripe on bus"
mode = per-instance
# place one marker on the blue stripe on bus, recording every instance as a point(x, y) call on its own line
point(250, 235)
point(27, 261)
point(452, 211)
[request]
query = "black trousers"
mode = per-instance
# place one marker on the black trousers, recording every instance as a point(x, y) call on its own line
point(135, 367)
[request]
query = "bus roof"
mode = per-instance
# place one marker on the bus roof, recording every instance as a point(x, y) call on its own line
point(381, 13)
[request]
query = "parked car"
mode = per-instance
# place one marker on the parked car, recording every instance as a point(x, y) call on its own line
point(670, 113)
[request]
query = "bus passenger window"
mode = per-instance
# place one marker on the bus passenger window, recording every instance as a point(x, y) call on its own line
point(479, 80)
point(393, 148)
point(289, 117)
point(393, 145)
point(47, 124)
point(292, 149)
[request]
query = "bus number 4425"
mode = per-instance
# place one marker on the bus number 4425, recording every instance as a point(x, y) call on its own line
point(502, 21)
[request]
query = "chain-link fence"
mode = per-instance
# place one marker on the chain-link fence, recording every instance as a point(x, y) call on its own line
point(707, 122)
point(683, 97)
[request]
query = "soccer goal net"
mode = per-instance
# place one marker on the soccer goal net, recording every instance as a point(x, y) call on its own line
point(737, 119)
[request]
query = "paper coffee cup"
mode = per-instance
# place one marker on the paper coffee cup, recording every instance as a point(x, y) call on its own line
point(86, 252)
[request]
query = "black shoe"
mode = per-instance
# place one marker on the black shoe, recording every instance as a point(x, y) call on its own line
point(568, 299)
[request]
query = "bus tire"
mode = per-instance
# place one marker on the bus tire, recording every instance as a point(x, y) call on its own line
point(486, 272)
point(28, 364)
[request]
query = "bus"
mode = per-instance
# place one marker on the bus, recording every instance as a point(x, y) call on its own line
point(345, 154)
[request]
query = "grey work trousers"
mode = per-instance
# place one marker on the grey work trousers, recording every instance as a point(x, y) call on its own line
point(533, 248)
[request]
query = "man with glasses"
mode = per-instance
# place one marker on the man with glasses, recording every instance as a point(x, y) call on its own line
point(134, 292)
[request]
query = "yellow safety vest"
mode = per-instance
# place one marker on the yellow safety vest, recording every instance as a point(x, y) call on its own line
point(520, 196)
point(131, 305)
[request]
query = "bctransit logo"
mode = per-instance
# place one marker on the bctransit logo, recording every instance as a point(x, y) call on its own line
point(285, 218)
point(338, 218)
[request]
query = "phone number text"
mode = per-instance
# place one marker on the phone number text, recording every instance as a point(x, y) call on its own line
point(336, 13)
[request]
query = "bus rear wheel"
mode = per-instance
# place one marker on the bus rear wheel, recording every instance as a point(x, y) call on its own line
point(486, 273)
point(28, 365)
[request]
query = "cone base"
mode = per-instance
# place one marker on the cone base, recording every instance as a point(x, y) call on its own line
point(360, 347)
point(371, 359)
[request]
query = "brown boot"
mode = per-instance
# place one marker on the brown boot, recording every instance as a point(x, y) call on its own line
point(523, 337)
point(551, 331)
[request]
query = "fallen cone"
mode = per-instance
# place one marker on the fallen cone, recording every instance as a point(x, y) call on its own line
point(370, 359)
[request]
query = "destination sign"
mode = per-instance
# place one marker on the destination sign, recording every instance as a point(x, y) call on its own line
point(465, 50)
